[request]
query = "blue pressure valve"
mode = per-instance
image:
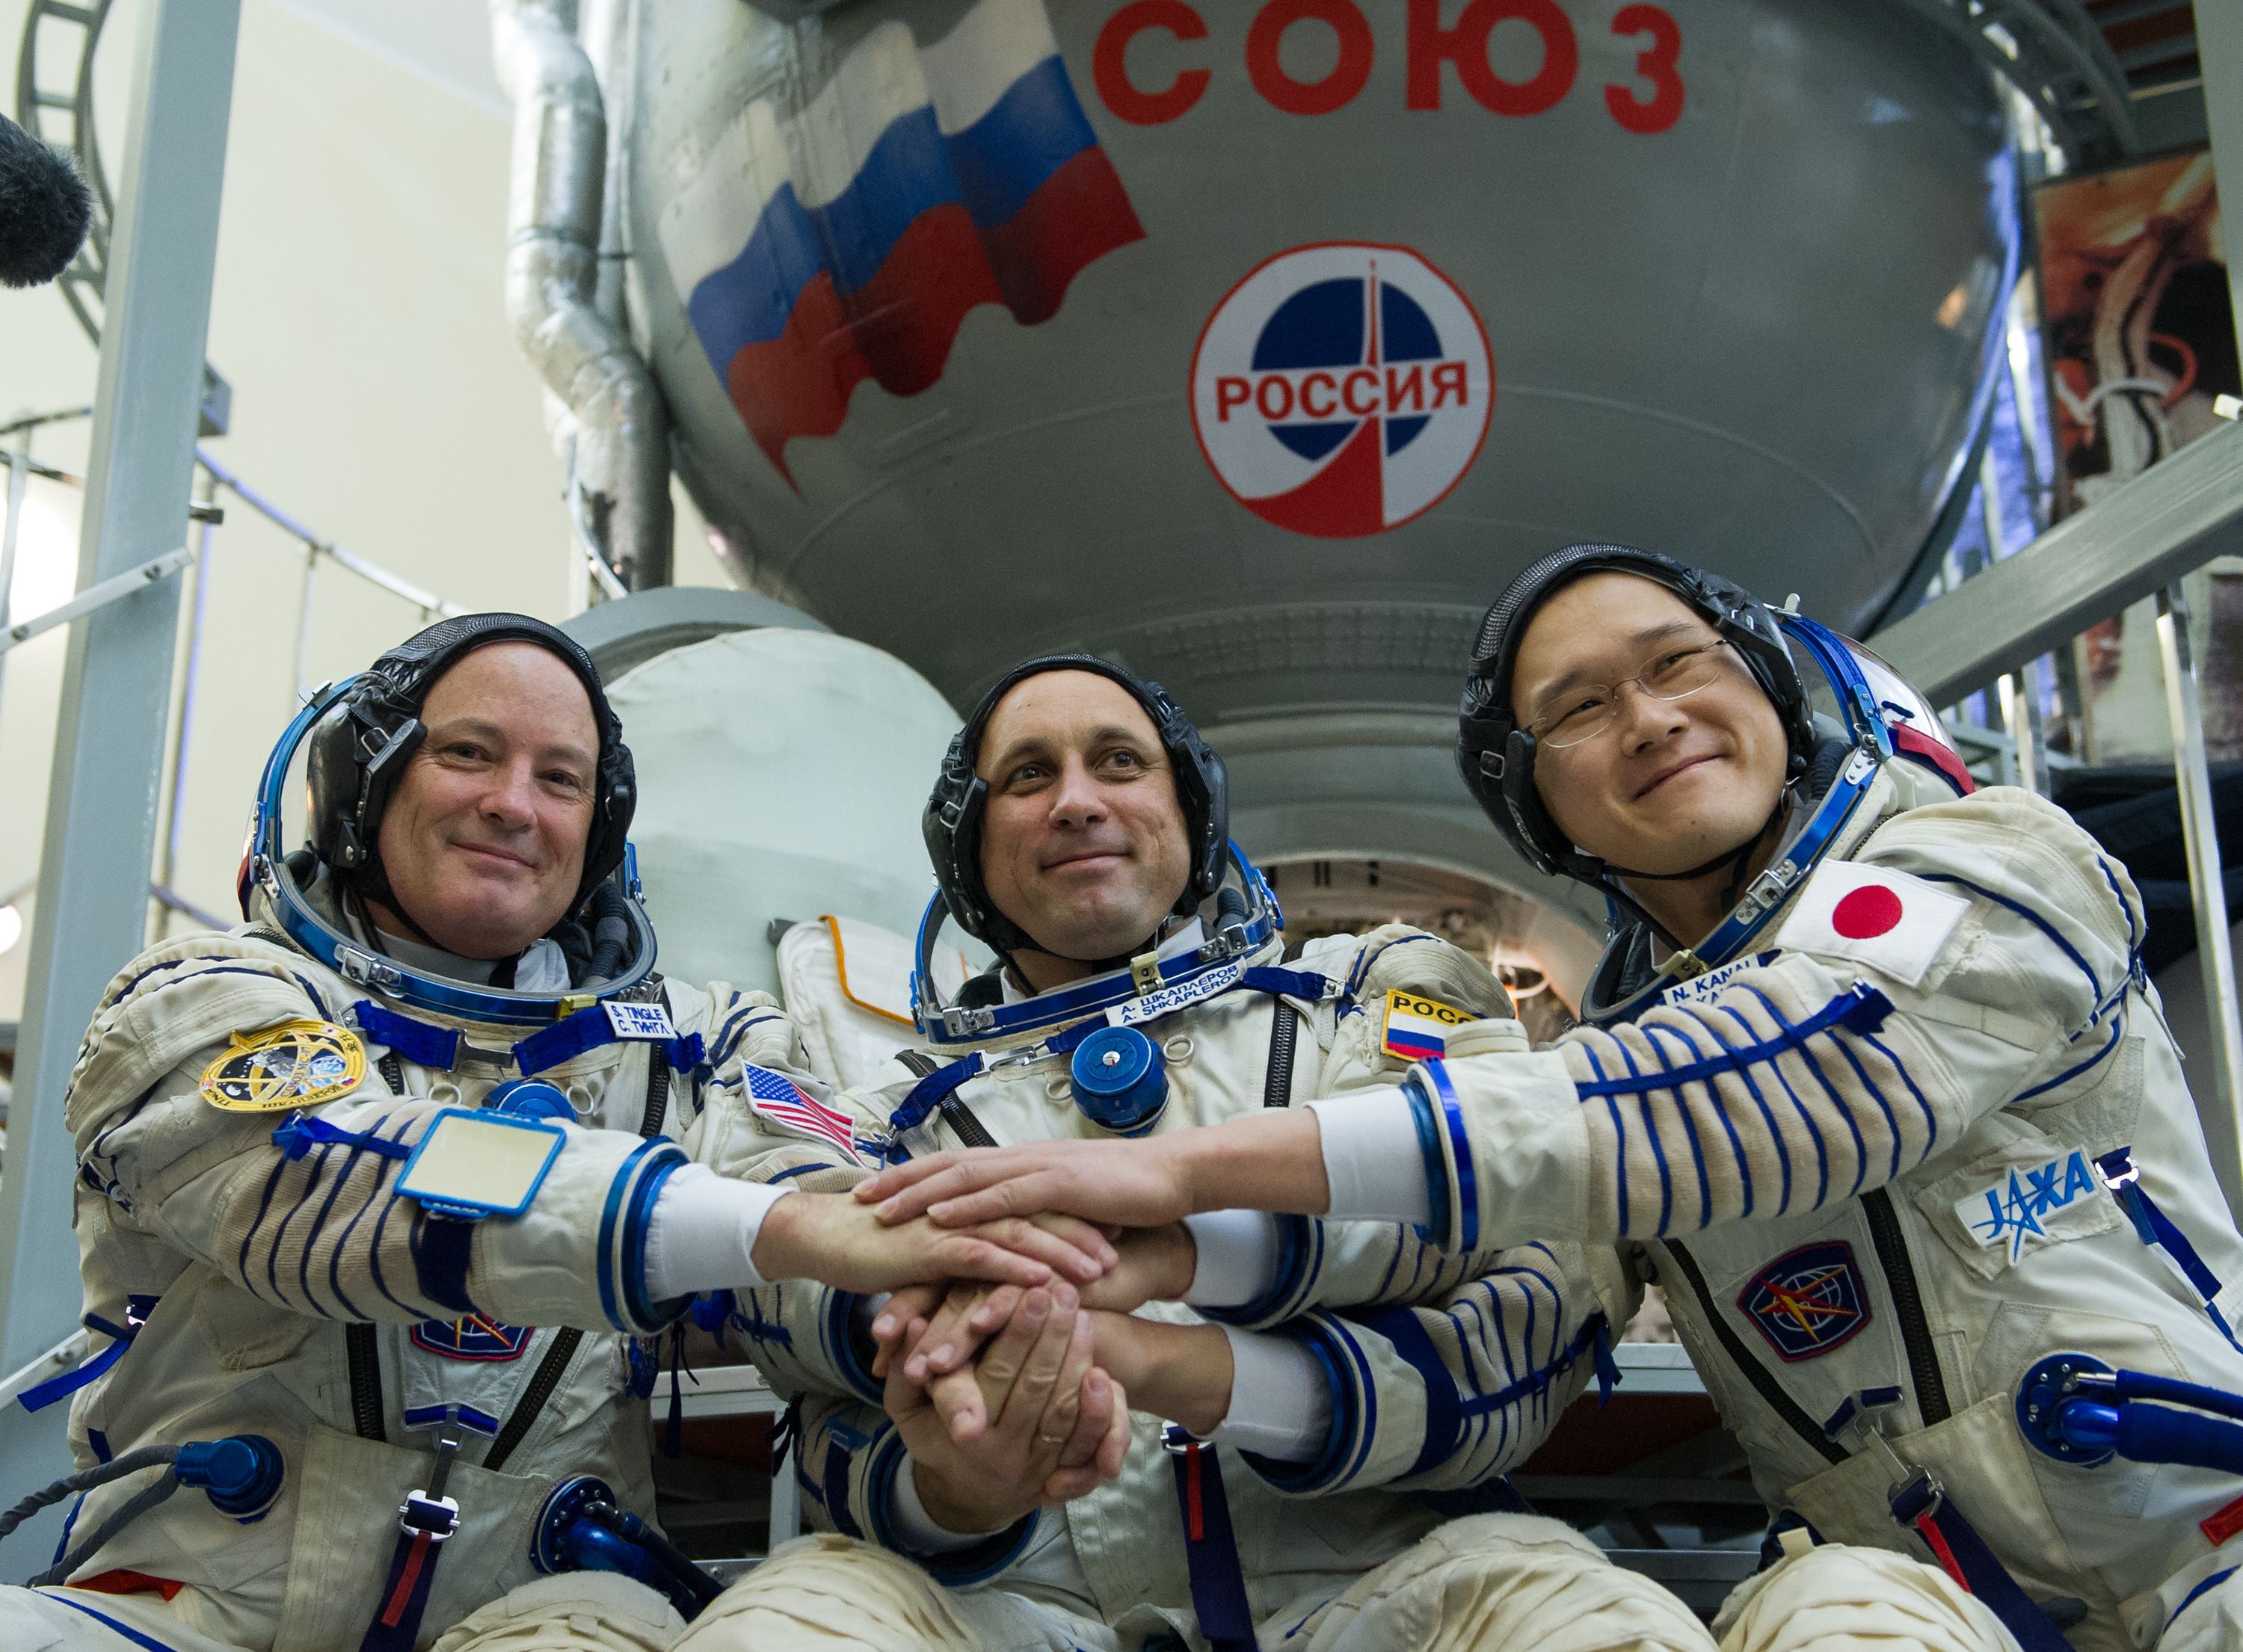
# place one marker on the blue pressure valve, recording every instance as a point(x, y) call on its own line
point(2077, 1409)
point(1120, 1081)
point(241, 1473)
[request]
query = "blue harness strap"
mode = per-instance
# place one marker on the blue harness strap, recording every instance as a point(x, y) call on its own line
point(2156, 1229)
point(136, 1310)
point(426, 1522)
point(1291, 983)
point(1922, 1505)
point(931, 1092)
point(302, 1132)
point(422, 1044)
point(1218, 1585)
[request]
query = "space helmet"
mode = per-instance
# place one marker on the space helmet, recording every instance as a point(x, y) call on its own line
point(952, 821)
point(1246, 915)
point(356, 738)
point(1845, 713)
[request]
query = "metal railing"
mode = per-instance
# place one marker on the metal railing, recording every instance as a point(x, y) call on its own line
point(2138, 542)
point(203, 515)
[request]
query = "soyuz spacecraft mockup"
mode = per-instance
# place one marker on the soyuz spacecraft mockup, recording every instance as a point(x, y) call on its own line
point(1257, 342)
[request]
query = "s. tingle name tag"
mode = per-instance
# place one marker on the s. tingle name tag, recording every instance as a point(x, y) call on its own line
point(298, 1064)
point(475, 1164)
point(639, 1023)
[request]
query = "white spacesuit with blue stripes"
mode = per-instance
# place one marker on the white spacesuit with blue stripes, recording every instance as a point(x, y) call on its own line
point(1433, 1376)
point(254, 1287)
point(1931, 1130)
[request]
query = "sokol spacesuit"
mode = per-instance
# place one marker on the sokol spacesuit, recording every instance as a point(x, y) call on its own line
point(1378, 1386)
point(1904, 1135)
point(271, 1259)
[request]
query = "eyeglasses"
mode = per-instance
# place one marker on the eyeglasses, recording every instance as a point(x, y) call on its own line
point(1587, 711)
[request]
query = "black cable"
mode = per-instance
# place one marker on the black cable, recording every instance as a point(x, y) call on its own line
point(126, 1512)
point(85, 1480)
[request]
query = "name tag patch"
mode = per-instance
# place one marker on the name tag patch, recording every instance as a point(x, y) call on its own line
point(1700, 988)
point(2020, 1207)
point(1808, 1301)
point(298, 1064)
point(639, 1023)
point(1418, 1028)
point(1168, 1000)
point(1891, 920)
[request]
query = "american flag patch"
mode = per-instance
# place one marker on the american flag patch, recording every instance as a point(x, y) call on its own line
point(775, 1098)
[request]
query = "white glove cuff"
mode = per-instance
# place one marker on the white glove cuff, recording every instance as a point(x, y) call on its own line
point(702, 1235)
point(1280, 1404)
point(1237, 1258)
point(1372, 1159)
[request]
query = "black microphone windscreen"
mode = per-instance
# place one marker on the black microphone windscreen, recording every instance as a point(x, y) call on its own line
point(44, 209)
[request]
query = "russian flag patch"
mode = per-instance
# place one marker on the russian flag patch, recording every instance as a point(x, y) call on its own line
point(774, 1096)
point(1418, 1028)
point(1893, 921)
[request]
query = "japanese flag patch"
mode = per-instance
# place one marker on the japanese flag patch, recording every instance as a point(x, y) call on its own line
point(795, 1110)
point(1418, 1028)
point(1893, 921)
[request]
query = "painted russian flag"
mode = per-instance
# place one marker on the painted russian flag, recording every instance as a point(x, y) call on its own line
point(848, 241)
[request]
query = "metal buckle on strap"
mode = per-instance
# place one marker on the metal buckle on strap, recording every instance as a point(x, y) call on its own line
point(435, 1517)
point(1766, 892)
point(1145, 973)
point(364, 969)
point(428, 1513)
point(1177, 1442)
point(1859, 1418)
point(969, 1024)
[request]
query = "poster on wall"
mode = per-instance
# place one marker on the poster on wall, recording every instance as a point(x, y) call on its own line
point(2140, 340)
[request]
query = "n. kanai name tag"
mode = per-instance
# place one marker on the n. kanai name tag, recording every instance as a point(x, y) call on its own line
point(639, 1023)
point(1698, 989)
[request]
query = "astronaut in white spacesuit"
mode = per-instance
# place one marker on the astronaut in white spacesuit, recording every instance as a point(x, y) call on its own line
point(398, 1183)
point(1872, 1075)
point(1344, 1399)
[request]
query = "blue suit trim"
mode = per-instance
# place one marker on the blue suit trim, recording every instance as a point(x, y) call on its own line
point(1460, 1147)
point(134, 1636)
point(1444, 1409)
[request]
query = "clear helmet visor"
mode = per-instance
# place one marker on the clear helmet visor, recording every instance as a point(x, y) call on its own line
point(1852, 693)
point(301, 894)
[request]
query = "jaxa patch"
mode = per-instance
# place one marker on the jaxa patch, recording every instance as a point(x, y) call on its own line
point(298, 1064)
point(2013, 1211)
point(472, 1337)
point(1417, 1029)
point(1808, 1301)
point(1892, 921)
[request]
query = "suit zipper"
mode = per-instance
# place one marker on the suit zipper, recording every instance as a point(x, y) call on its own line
point(1763, 1380)
point(1930, 1388)
point(968, 1128)
point(363, 1343)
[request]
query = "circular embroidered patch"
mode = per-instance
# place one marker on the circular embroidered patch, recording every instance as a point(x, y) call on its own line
point(298, 1064)
point(1866, 912)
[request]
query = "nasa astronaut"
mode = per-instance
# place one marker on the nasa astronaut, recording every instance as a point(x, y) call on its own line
point(1343, 1399)
point(430, 1342)
point(1871, 1074)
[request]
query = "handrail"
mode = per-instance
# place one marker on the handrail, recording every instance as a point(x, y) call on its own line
point(426, 600)
point(66, 1355)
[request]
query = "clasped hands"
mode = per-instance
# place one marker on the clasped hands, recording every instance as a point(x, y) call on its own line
point(1011, 1352)
point(1010, 1397)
